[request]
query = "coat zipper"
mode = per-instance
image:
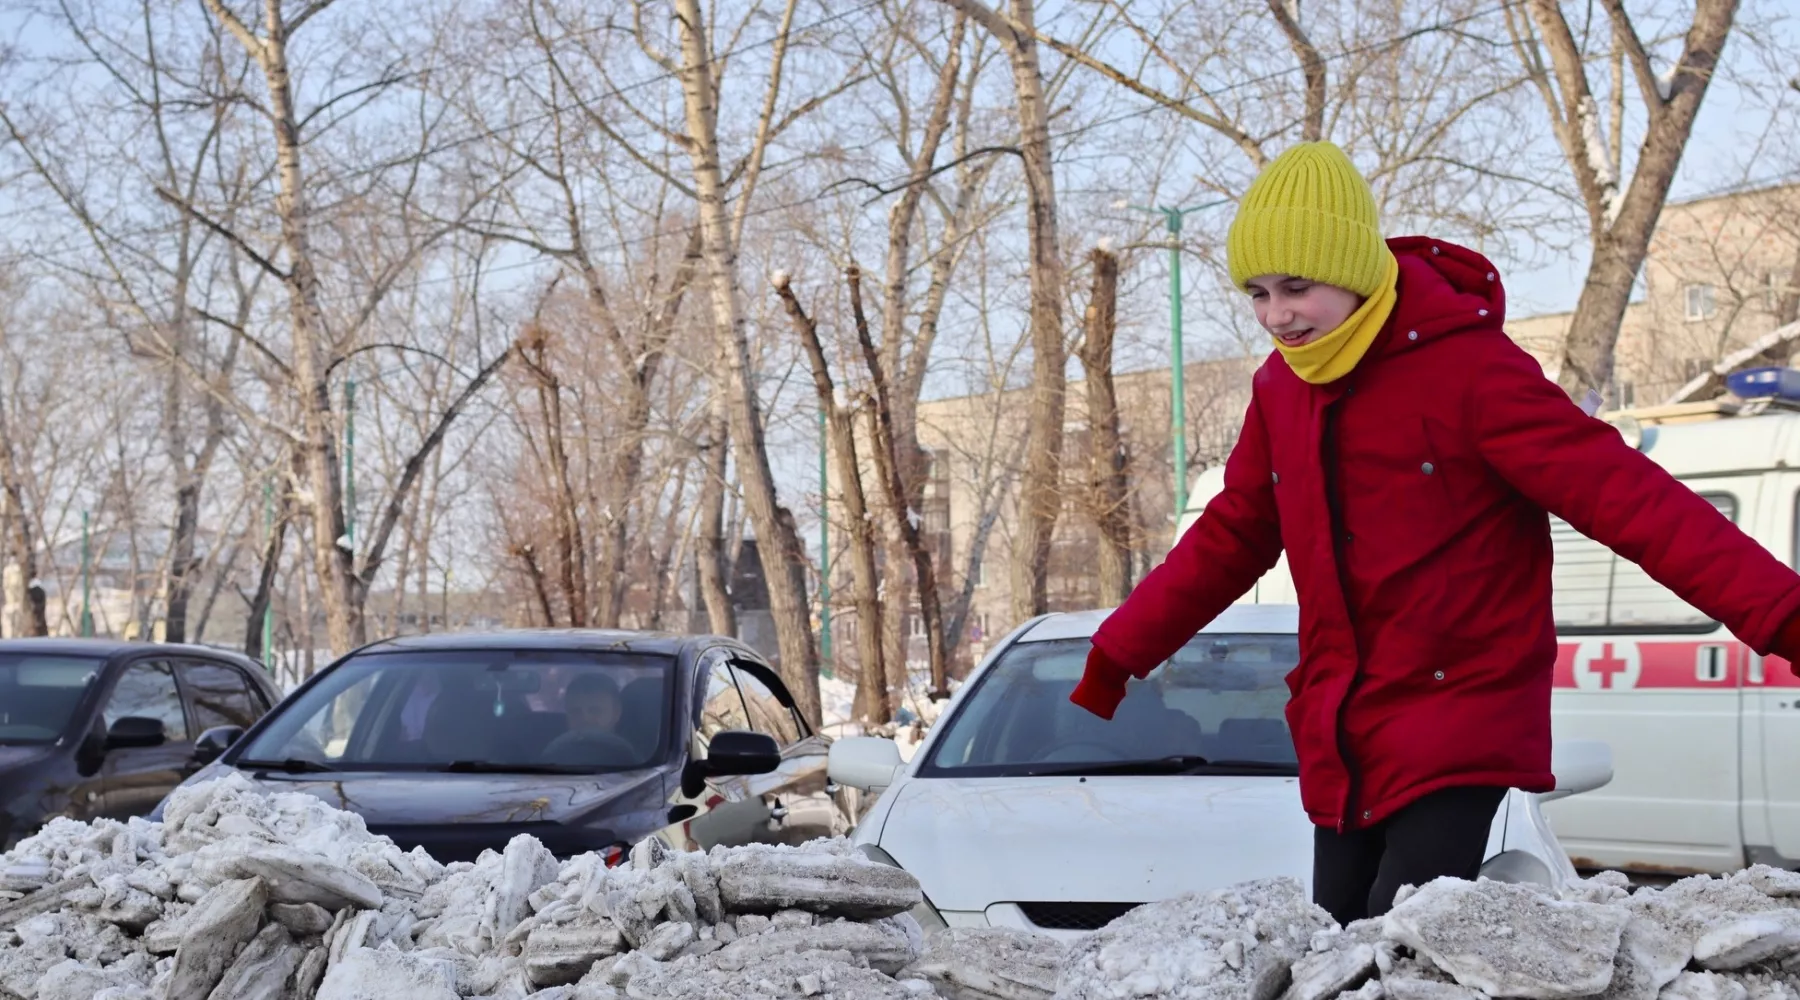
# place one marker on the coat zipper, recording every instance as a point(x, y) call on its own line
point(1333, 503)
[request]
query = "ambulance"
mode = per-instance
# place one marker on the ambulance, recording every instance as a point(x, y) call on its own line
point(1705, 734)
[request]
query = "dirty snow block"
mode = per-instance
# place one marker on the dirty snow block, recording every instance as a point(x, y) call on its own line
point(559, 954)
point(1653, 950)
point(1510, 940)
point(263, 968)
point(768, 879)
point(367, 974)
point(1237, 943)
point(1749, 940)
point(1324, 974)
point(1704, 986)
point(227, 916)
point(297, 876)
point(822, 975)
point(883, 946)
point(990, 963)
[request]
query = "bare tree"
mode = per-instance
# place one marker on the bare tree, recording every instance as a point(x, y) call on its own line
point(1040, 490)
point(1622, 214)
point(871, 692)
point(783, 556)
point(1108, 461)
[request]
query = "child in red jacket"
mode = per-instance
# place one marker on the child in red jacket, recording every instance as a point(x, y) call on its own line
point(1404, 452)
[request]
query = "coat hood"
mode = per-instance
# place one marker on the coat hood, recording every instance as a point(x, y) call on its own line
point(1444, 289)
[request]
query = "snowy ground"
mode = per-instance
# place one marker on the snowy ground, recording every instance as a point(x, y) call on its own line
point(251, 896)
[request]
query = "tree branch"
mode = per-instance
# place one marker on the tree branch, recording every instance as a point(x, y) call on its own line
point(1311, 64)
point(234, 239)
point(1626, 36)
point(415, 465)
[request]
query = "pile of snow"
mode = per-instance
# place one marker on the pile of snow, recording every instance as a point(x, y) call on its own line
point(251, 896)
point(242, 894)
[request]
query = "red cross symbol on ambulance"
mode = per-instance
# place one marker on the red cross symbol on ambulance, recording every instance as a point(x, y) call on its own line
point(1607, 665)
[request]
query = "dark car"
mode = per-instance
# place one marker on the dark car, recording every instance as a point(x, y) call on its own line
point(95, 728)
point(588, 740)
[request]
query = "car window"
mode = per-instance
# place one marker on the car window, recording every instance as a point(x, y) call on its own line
point(562, 709)
point(147, 689)
point(767, 715)
point(1221, 696)
point(39, 694)
point(722, 706)
point(219, 695)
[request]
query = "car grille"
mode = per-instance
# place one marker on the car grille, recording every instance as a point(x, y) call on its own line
point(1075, 916)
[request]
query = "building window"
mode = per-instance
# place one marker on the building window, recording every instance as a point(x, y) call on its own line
point(978, 626)
point(915, 626)
point(980, 574)
point(1700, 303)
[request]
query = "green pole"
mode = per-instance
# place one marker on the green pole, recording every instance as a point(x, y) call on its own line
point(350, 463)
point(87, 580)
point(824, 551)
point(268, 641)
point(1178, 369)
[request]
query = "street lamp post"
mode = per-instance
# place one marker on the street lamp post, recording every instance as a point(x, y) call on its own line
point(1177, 365)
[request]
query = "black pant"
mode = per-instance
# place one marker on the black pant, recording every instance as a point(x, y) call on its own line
point(1445, 833)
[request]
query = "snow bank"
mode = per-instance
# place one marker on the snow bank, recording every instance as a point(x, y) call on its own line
point(242, 894)
point(251, 896)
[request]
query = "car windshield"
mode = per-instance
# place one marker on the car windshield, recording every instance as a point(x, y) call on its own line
point(1216, 706)
point(39, 694)
point(474, 710)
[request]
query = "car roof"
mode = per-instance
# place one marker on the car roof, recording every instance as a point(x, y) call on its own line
point(107, 648)
point(1256, 619)
point(621, 640)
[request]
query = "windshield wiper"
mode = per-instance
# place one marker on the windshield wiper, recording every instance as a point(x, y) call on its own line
point(1174, 764)
point(292, 765)
point(491, 767)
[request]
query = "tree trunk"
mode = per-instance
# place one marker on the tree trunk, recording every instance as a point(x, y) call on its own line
point(265, 584)
point(887, 467)
point(1040, 493)
point(773, 524)
point(1621, 225)
point(18, 532)
point(332, 563)
point(872, 705)
point(709, 558)
point(571, 548)
point(1108, 461)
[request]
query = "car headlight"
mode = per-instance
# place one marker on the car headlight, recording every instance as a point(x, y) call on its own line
point(1517, 867)
point(925, 913)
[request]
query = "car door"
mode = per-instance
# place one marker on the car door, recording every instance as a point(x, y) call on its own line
point(135, 779)
point(798, 794)
point(218, 694)
point(731, 811)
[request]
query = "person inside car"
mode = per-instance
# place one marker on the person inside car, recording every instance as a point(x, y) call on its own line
point(592, 705)
point(1405, 453)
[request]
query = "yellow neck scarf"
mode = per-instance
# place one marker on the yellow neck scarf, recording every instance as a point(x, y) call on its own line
point(1334, 355)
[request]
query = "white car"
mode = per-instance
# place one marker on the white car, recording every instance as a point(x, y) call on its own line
point(1022, 810)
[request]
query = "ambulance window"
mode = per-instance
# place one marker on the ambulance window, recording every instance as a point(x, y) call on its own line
point(1595, 590)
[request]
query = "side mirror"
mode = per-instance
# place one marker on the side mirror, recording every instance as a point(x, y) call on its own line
point(1579, 766)
point(216, 741)
point(135, 731)
point(732, 752)
point(865, 762)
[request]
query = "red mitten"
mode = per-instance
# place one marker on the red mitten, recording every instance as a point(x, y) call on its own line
point(1787, 644)
point(1102, 685)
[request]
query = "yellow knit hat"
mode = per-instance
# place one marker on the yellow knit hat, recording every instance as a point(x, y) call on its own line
point(1309, 214)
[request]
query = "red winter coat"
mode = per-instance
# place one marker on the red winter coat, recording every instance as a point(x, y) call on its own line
point(1423, 572)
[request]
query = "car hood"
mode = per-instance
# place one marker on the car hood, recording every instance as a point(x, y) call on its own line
point(456, 816)
point(23, 754)
point(973, 842)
